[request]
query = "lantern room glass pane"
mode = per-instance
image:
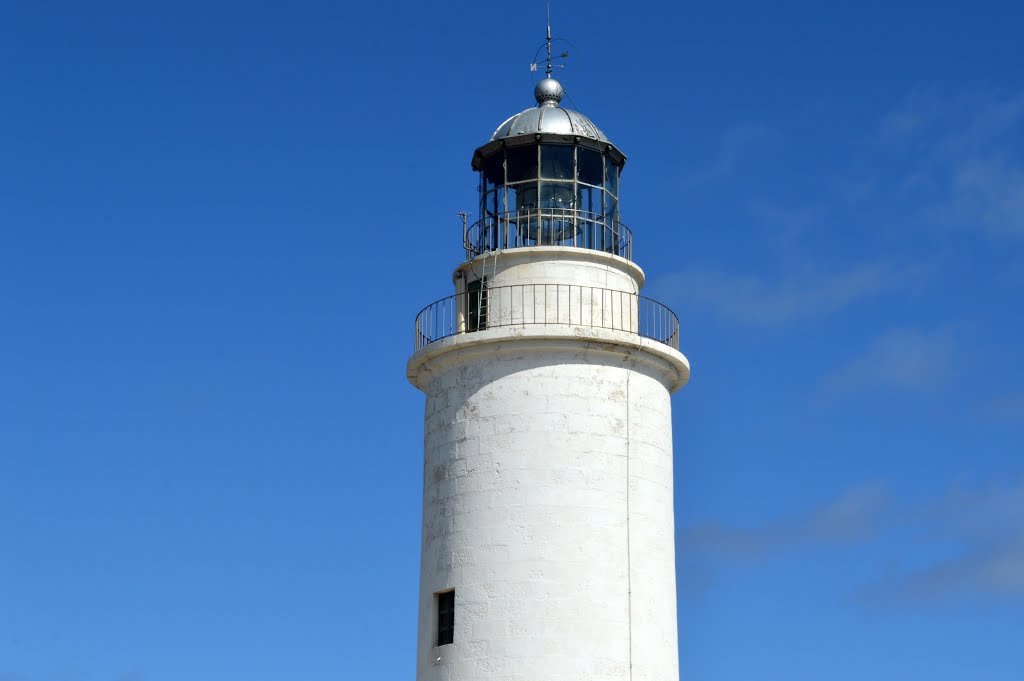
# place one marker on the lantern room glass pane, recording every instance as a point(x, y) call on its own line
point(611, 207)
point(506, 199)
point(557, 195)
point(556, 161)
point(490, 203)
point(525, 198)
point(588, 163)
point(493, 171)
point(521, 163)
point(589, 200)
point(611, 176)
point(500, 203)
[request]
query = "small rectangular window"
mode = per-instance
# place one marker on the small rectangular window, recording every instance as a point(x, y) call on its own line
point(445, 618)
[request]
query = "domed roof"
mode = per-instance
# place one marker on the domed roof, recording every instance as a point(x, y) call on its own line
point(549, 118)
point(548, 121)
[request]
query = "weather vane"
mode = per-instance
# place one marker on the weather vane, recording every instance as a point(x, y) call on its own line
point(548, 61)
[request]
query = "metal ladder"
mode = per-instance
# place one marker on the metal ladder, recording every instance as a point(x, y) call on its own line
point(483, 303)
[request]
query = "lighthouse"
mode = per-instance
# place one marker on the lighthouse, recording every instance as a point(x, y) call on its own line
point(548, 544)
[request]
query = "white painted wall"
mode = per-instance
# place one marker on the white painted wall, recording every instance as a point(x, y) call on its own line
point(555, 285)
point(547, 505)
point(556, 265)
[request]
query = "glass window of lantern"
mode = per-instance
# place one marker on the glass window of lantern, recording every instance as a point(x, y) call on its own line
point(589, 200)
point(521, 163)
point(499, 200)
point(557, 195)
point(611, 182)
point(588, 164)
point(550, 177)
point(492, 172)
point(491, 203)
point(556, 162)
point(525, 197)
point(509, 196)
point(611, 207)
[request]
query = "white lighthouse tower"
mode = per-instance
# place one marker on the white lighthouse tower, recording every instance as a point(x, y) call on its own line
point(548, 546)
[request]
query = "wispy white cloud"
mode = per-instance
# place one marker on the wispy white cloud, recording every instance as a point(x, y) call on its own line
point(995, 571)
point(855, 516)
point(738, 140)
point(984, 525)
point(902, 359)
point(988, 525)
point(788, 222)
point(750, 299)
point(960, 159)
point(852, 517)
point(940, 125)
point(986, 193)
point(1005, 407)
point(1014, 275)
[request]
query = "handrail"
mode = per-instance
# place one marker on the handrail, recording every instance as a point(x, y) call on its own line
point(546, 304)
point(548, 227)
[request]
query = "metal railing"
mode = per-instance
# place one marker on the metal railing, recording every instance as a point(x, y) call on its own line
point(546, 304)
point(549, 227)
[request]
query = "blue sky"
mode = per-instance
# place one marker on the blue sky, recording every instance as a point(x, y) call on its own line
point(219, 220)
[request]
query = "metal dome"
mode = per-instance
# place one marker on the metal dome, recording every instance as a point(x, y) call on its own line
point(549, 122)
point(549, 119)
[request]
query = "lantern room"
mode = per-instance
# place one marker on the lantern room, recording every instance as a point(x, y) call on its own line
point(548, 177)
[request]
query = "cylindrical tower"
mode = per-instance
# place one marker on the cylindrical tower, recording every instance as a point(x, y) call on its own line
point(548, 545)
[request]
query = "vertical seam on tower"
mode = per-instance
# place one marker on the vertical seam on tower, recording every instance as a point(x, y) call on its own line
point(629, 447)
point(629, 560)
